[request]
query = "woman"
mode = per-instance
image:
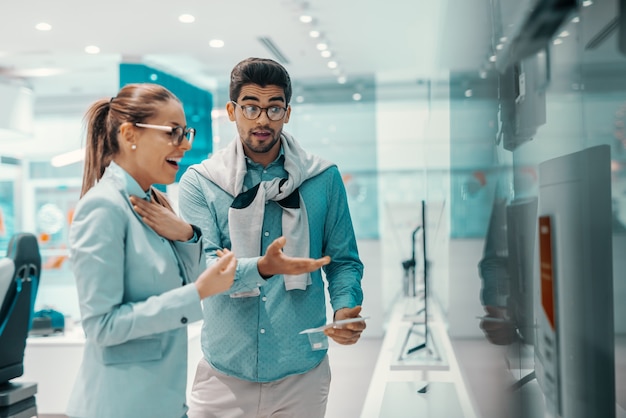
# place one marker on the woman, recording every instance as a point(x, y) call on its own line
point(135, 261)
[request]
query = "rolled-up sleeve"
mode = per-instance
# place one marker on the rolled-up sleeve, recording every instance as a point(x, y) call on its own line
point(345, 271)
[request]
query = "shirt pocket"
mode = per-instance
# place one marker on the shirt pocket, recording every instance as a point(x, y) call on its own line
point(143, 349)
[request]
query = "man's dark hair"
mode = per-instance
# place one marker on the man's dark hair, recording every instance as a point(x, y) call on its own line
point(261, 71)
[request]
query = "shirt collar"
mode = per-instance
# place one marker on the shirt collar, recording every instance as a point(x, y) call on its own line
point(130, 184)
point(279, 159)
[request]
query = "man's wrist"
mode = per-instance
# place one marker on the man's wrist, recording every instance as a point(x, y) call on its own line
point(260, 266)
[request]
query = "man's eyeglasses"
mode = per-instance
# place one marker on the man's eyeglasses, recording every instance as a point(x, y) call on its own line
point(252, 112)
point(176, 132)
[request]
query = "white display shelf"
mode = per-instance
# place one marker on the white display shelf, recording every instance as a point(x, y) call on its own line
point(396, 383)
point(420, 399)
point(416, 352)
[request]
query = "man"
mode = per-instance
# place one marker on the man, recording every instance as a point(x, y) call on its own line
point(284, 213)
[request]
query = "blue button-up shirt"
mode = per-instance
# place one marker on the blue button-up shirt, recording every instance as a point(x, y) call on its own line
point(257, 338)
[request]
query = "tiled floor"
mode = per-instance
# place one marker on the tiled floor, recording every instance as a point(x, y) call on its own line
point(351, 367)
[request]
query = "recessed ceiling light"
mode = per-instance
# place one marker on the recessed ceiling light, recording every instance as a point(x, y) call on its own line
point(332, 64)
point(43, 26)
point(576, 19)
point(92, 49)
point(587, 3)
point(306, 19)
point(299, 99)
point(216, 43)
point(326, 53)
point(342, 79)
point(356, 97)
point(321, 46)
point(39, 72)
point(314, 34)
point(557, 41)
point(186, 18)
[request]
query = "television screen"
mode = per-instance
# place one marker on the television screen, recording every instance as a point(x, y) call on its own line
point(521, 220)
point(522, 99)
point(574, 344)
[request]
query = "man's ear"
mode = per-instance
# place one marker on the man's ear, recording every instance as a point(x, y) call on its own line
point(286, 119)
point(230, 108)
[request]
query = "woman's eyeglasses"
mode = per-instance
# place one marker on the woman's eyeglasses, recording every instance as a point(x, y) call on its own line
point(178, 133)
point(252, 112)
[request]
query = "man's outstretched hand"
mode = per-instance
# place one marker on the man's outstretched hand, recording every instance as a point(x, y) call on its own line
point(276, 262)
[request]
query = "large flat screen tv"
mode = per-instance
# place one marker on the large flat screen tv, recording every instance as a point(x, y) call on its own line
point(574, 345)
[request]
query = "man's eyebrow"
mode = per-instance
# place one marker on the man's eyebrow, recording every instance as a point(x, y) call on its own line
point(272, 99)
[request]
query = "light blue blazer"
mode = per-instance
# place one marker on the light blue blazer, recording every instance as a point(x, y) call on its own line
point(135, 304)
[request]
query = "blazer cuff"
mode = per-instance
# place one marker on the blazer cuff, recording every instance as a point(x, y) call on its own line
point(197, 234)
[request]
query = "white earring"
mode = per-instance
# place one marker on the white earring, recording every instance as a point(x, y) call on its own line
point(133, 147)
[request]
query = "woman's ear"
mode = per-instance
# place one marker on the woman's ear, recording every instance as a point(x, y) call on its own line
point(126, 136)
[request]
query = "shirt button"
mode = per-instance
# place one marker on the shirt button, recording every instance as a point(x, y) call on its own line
point(183, 320)
point(264, 298)
point(262, 331)
point(267, 234)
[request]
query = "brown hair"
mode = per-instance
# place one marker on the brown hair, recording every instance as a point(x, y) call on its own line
point(261, 71)
point(134, 103)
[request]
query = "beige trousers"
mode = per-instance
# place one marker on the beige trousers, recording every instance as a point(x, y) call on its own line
point(215, 394)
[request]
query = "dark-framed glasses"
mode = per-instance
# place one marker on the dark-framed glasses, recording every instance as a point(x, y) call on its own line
point(252, 112)
point(176, 132)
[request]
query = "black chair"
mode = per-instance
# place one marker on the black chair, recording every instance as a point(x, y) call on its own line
point(20, 271)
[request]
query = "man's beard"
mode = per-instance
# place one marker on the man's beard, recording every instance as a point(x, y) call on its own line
point(263, 147)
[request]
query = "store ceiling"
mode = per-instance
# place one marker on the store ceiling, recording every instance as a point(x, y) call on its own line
point(391, 40)
point(394, 40)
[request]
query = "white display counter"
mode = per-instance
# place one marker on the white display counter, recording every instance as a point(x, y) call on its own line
point(427, 383)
